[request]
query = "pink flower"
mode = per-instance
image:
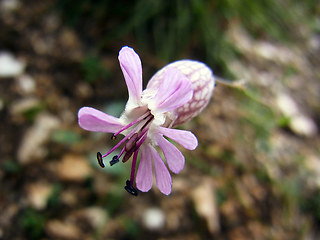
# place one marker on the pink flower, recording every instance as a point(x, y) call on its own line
point(174, 95)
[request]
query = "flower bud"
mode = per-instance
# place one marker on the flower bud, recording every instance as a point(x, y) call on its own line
point(202, 81)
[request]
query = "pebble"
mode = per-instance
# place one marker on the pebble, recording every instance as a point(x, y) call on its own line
point(96, 216)
point(26, 84)
point(303, 126)
point(206, 206)
point(299, 123)
point(38, 194)
point(10, 5)
point(287, 105)
point(63, 230)
point(23, 105)
point(153, 218)
point(10, 66)
point(312, 164)
point(74, 168)
point(32, 146)
point(69, 197)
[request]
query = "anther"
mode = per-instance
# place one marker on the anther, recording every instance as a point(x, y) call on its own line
point(114, 160)
point(131, 142)
point(130, 189)
point(113, 137)
point(100, 161)
point(149, 120)
point(128, 155)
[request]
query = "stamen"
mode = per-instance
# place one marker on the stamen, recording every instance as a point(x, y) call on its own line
point(143, 132)
point(128, 155)
point(148, 122)
point(130, 189)
point(114, 160)
point(122, 151)
point(133, 167)
point(131, 142)
point(131, 136)
point(140, 140)
point(113, 137)
point(132, 123)
point(100, 161)
point(139, 143)
point(119, 143)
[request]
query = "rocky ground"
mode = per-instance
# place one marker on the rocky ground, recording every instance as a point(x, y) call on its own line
point(255, 174)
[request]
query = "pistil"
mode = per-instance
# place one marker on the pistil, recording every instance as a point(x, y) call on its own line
point(132, 142)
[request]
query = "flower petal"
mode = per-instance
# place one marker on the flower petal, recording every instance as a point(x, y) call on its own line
point(163, 178)
point(144, 173)
point(130, 64)
point(173, 156)
point(94, 120)
point(174, 91)
point(185, 138)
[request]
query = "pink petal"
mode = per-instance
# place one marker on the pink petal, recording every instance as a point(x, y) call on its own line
point(174, 91)
point(132, 71)
point(94, 120)
point(173, 156)
point(185, 138)
point(163, 178)
point(144, 173)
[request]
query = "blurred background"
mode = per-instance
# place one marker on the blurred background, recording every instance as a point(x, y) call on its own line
point(256, 171)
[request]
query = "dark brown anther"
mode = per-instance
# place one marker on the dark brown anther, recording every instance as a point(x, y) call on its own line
point(128, 155)
point(100, 161)
point(130, 189)
point(114, 160)
point(149, 120)
point(113, 137)
point(131, 143)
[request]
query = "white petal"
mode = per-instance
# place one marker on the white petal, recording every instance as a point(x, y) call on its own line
point(144, 173)
point(163, 178)
point(174, 91)
point(94, 120)
point(130, 64)
point(185, 138)
point(173, 156)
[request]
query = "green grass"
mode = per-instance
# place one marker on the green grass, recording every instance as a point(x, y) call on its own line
point(93, 69)
point(182, 28)
point(33, 223)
